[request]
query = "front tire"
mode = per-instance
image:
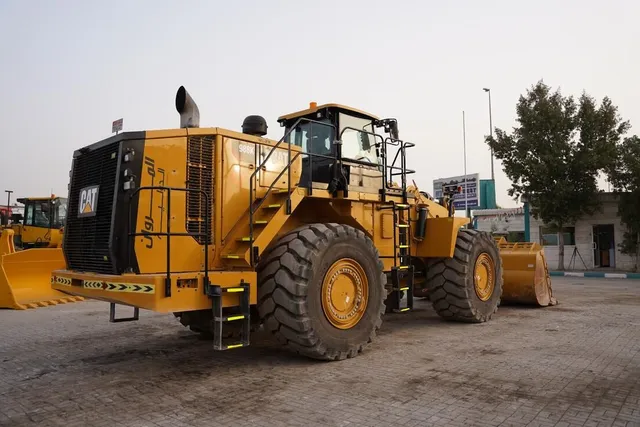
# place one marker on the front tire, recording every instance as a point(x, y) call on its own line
point(321, 291)
point(468, 286)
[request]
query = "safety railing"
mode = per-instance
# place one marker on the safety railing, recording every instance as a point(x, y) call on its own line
point(168, 234)
point(253, 208)
point(402, 171)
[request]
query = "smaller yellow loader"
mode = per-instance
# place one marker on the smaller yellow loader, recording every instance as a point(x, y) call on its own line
point(25, 273)
point(42, 223)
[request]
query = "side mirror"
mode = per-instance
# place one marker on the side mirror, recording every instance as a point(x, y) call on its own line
point(393, 130)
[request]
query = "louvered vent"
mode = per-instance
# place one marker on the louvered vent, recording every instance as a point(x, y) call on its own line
point(199, 177)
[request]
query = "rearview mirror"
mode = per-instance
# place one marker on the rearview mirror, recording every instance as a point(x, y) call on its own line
point(393, 129)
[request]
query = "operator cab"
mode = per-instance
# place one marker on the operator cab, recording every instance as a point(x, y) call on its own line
point(316, 130)
point(44, 212)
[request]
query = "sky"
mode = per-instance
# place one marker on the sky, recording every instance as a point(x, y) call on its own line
point(69, 68)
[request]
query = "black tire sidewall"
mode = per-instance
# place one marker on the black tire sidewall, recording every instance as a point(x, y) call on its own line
point(358, 250)
point(483, 245)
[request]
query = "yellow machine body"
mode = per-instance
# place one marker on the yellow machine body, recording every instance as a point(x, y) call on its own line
point(25, 276)
point(168, 155)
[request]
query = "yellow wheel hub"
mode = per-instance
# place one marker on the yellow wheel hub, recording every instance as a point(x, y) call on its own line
point(484, 279)
point(345, 292)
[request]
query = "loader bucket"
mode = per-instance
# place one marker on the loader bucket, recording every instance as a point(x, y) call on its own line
point(25, 276)
point(526, 275)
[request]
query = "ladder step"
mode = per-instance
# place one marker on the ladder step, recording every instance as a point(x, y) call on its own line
point(402, 225)
point(403, 246)
point(281, 190)
point(230, 346)
point(244, 239)
point(233, 256)
point(402, 206)
point(229, 318)
point(260, 222)
point(242, 314)
point(402, 294)
point(274, 206)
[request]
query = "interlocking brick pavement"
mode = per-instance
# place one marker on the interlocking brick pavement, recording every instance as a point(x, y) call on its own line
point(576, 364)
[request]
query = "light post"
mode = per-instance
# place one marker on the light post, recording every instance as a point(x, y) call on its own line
point(490, 130)
point(8, 198)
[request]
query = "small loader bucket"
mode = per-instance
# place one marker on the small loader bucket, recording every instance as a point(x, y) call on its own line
point(526, 275)
point(25, 276)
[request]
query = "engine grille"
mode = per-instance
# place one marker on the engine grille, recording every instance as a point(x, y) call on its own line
point(199, 177)
point(86, 242)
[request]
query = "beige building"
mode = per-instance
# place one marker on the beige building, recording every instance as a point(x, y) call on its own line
point(590, 243)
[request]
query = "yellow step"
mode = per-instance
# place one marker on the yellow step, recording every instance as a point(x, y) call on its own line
point(232, 256)
point(281, 190)
point(273, 206)
point(244, 239)
point(260, 222)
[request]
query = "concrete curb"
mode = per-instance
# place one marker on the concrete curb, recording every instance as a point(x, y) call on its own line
point(595, 274)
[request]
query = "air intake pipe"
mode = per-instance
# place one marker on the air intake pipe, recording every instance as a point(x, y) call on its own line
point(187, 108)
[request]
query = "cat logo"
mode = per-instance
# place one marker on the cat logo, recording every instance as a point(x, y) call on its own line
point(88, 201)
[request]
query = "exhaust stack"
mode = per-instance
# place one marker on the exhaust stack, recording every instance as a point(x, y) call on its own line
point(187, 108)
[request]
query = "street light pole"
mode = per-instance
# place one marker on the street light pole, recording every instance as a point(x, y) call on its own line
point(464, 150)
point(490, 130)
point(8, 198)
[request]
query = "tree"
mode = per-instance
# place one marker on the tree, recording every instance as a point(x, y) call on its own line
point(555, 153)
point(624, 175)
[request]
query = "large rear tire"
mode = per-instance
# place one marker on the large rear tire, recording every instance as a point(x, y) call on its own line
point(321, 291)
point(468, 286)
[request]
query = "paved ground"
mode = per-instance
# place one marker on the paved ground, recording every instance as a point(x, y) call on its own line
point(570, 365)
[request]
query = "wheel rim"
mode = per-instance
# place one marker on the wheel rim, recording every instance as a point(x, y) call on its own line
point(345, 292)
point(484, 276)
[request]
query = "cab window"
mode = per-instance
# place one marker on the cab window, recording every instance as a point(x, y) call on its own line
point(313, 138)
point(28, 214)
point(356, 144)
point(38, 213)
point(60, 213)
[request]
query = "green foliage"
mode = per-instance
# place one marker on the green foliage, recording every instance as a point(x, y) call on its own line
point(554, 154)
point(624, 175)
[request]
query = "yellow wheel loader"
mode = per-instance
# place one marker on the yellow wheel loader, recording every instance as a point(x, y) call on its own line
point(315, 236)
point(42, 224)
point(30, 249)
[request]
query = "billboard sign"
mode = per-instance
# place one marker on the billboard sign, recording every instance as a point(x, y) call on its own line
point(470, 186)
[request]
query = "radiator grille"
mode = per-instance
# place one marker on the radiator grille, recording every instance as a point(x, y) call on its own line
point(199, 177)
point(86, 242)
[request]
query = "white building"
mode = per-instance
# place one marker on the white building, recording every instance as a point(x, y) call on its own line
point(590, 243)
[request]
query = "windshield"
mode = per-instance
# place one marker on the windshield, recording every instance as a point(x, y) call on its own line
point(46, 213)
point(358, 145)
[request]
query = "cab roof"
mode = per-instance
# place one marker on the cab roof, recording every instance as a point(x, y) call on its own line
point(313, 107)
point(37, 199)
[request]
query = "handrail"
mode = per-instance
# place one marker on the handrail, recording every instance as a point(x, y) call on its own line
point(402, 146)
point(253, 209)
point(388, 171)
point(168, 234)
